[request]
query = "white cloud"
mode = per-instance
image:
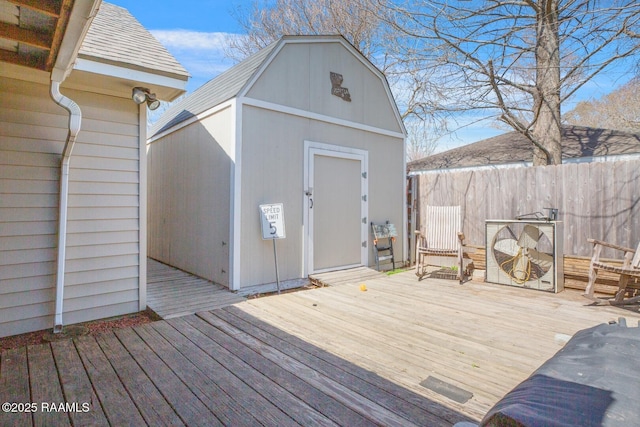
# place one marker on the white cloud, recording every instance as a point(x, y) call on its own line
point(201, 53)
point(192, 40)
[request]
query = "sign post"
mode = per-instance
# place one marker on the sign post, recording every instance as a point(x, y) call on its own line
point(272, 220)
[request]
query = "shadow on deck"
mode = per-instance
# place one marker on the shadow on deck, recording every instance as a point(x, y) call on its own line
point(223, 367)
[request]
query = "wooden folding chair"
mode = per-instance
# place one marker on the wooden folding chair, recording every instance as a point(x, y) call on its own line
point(441, 236)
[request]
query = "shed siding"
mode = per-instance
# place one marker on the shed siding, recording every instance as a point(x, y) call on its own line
point(189, 197)
point(272, 171)
point(298, 77)
point(102, 243)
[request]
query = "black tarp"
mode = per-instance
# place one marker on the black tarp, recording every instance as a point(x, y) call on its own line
point(593, 381)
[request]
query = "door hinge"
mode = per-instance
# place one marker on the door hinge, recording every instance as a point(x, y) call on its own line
point(364, 220)
point(364, 175)
point(364, 198)
point(364, 244)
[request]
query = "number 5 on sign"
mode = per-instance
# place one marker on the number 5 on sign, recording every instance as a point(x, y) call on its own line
point(272, 219)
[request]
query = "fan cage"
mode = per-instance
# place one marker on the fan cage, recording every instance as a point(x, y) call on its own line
point(524, 254)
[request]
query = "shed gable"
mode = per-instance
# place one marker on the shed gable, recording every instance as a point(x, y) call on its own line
point(299, 76)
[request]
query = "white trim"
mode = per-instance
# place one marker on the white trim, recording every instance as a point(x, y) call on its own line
point(312, 148)
point(194, 119)
point(405, 210)
point(572, 160)
point(472, 168)
point(607, 158)
point(328, 39)
point(83, 64)
point(236, 198)
point(142, 194)
point(320, 117)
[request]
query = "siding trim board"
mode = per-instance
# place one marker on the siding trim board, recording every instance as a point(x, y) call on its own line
point(236, 197)
point(142, 205)
point(319, 117)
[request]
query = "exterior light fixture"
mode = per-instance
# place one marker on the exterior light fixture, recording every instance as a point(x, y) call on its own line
point(142, 94)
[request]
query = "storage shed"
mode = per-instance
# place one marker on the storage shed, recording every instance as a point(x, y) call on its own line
point(307, 122)
point(72, 160)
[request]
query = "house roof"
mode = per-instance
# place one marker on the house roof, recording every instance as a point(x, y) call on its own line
point(116, 37)
point(513, 148)
point(225, 86)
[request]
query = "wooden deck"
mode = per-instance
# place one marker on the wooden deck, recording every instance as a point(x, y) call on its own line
point(173, 293)
point(329, 356)
point(478, 338)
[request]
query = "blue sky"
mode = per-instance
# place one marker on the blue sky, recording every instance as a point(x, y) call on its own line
point(195, 32)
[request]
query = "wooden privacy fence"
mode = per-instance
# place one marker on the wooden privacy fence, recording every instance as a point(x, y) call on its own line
point(595, 200)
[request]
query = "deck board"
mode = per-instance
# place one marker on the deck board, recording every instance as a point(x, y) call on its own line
point(173, 293)
point(208, 392)
point(116, 401)
point(240, 394)
point(76, 386)
point(277, 395)
point(154, 408)
point(351, 399)
point(45, 386)
point(339, 372)
point(14, 385)
point(184, 402)
point(335, 355)
point(402, 393)
point(319, 401)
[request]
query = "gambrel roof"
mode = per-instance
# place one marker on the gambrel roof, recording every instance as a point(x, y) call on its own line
point(239, 78)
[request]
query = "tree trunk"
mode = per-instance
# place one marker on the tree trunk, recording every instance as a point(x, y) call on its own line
point(546, 128)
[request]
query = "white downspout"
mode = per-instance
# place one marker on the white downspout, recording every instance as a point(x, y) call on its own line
point(75, 119)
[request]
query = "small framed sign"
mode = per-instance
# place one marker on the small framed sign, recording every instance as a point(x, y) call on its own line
point(272, 219)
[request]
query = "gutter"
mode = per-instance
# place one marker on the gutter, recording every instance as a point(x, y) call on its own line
point(81, 15)
point(75, 119)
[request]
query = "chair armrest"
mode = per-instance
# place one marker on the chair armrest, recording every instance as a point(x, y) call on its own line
point(611, 245)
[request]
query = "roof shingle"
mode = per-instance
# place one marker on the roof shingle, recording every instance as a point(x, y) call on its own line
point(115, 36)
point(216, 91)
point(513, 147)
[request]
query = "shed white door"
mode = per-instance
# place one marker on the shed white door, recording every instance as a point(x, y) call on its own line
point(336, 206)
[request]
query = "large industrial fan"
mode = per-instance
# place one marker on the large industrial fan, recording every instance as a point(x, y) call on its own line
point(525, 253)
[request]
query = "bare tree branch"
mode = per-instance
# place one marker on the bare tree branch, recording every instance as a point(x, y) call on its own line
point(520, 59)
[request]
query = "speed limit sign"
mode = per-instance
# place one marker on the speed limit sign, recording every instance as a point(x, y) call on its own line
point(272, 218)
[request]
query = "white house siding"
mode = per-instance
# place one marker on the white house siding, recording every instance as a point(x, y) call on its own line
point(272, 171)
point(102, 266)
point(189, 196)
